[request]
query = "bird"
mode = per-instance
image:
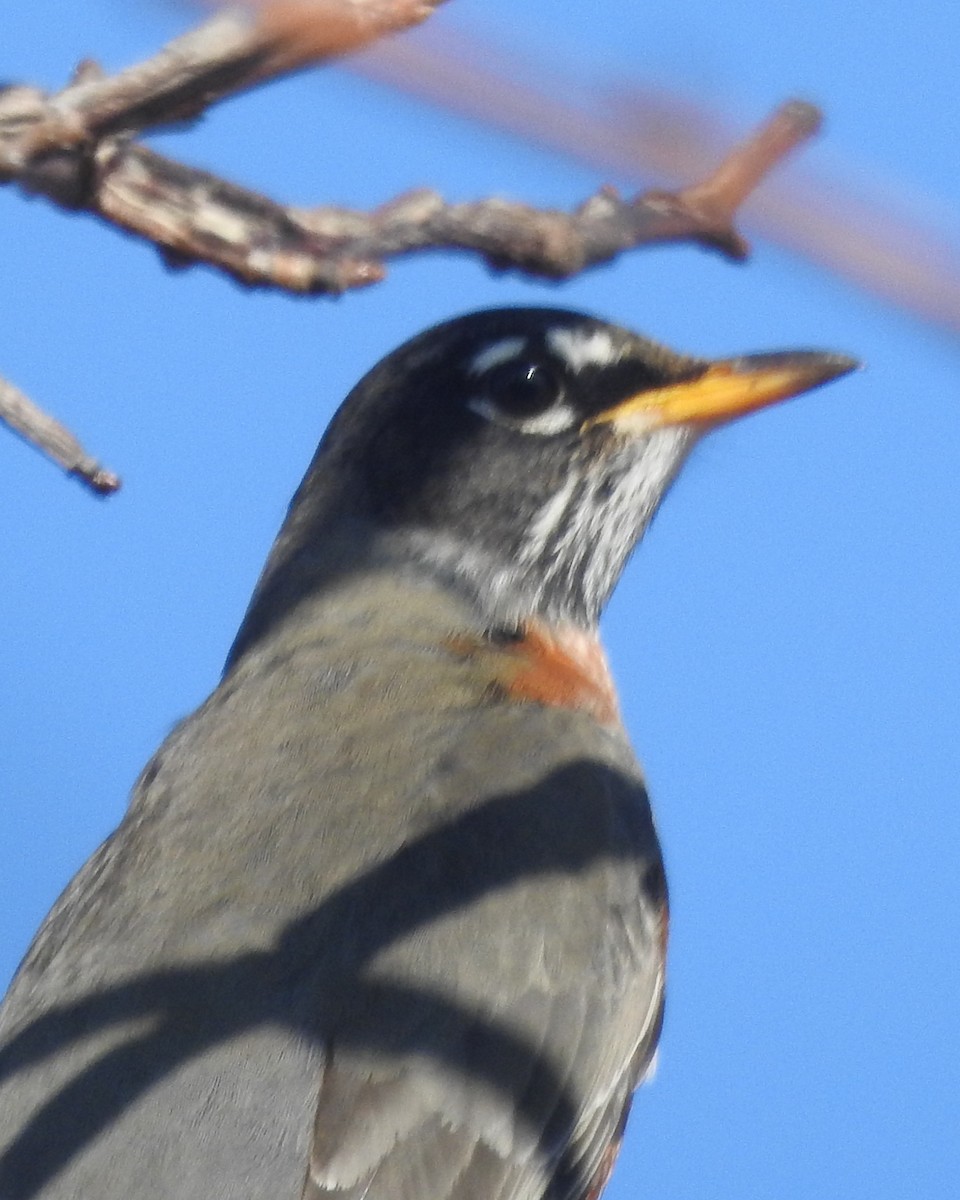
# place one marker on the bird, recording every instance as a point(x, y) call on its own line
point(387, 916)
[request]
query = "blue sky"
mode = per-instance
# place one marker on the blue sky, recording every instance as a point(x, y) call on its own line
point(786, 641)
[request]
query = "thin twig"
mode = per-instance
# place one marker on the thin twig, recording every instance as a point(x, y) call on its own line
point(745, 167)
point(53, 439)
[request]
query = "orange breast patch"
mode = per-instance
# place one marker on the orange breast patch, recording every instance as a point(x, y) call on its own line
point(557, 666)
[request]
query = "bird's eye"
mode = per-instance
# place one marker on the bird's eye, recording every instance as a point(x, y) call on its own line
point(524, 395)
point(522, 389)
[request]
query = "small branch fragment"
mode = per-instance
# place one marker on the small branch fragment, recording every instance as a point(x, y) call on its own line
point(308, 31)
point(718, 198)
point(53, 439)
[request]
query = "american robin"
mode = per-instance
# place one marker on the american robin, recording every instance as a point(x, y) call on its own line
point(386, 918)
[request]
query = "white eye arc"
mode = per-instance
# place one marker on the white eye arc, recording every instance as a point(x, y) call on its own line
point(554, 419)
point(496, 353)
point(521, 391)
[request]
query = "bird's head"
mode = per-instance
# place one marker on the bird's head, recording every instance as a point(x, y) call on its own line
point(518, 455)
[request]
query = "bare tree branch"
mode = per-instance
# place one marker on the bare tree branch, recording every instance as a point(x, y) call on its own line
point(196, 217)
point(51, 438)
point(74, 148)
point(642, 134)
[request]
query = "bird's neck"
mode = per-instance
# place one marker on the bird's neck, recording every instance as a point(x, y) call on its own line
point(396, 576)
point(387, 620)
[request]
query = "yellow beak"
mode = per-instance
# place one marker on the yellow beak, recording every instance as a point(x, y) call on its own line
point(726, 389)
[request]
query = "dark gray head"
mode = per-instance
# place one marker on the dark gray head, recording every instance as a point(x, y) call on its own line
point(517, 454)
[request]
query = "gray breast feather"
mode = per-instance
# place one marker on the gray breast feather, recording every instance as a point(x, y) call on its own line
point(466, 979)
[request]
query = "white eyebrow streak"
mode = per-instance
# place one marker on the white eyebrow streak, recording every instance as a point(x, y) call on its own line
point(498, 352)
point(580, 348)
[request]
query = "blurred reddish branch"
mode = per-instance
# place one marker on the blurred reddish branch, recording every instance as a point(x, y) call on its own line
point(75, 148)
